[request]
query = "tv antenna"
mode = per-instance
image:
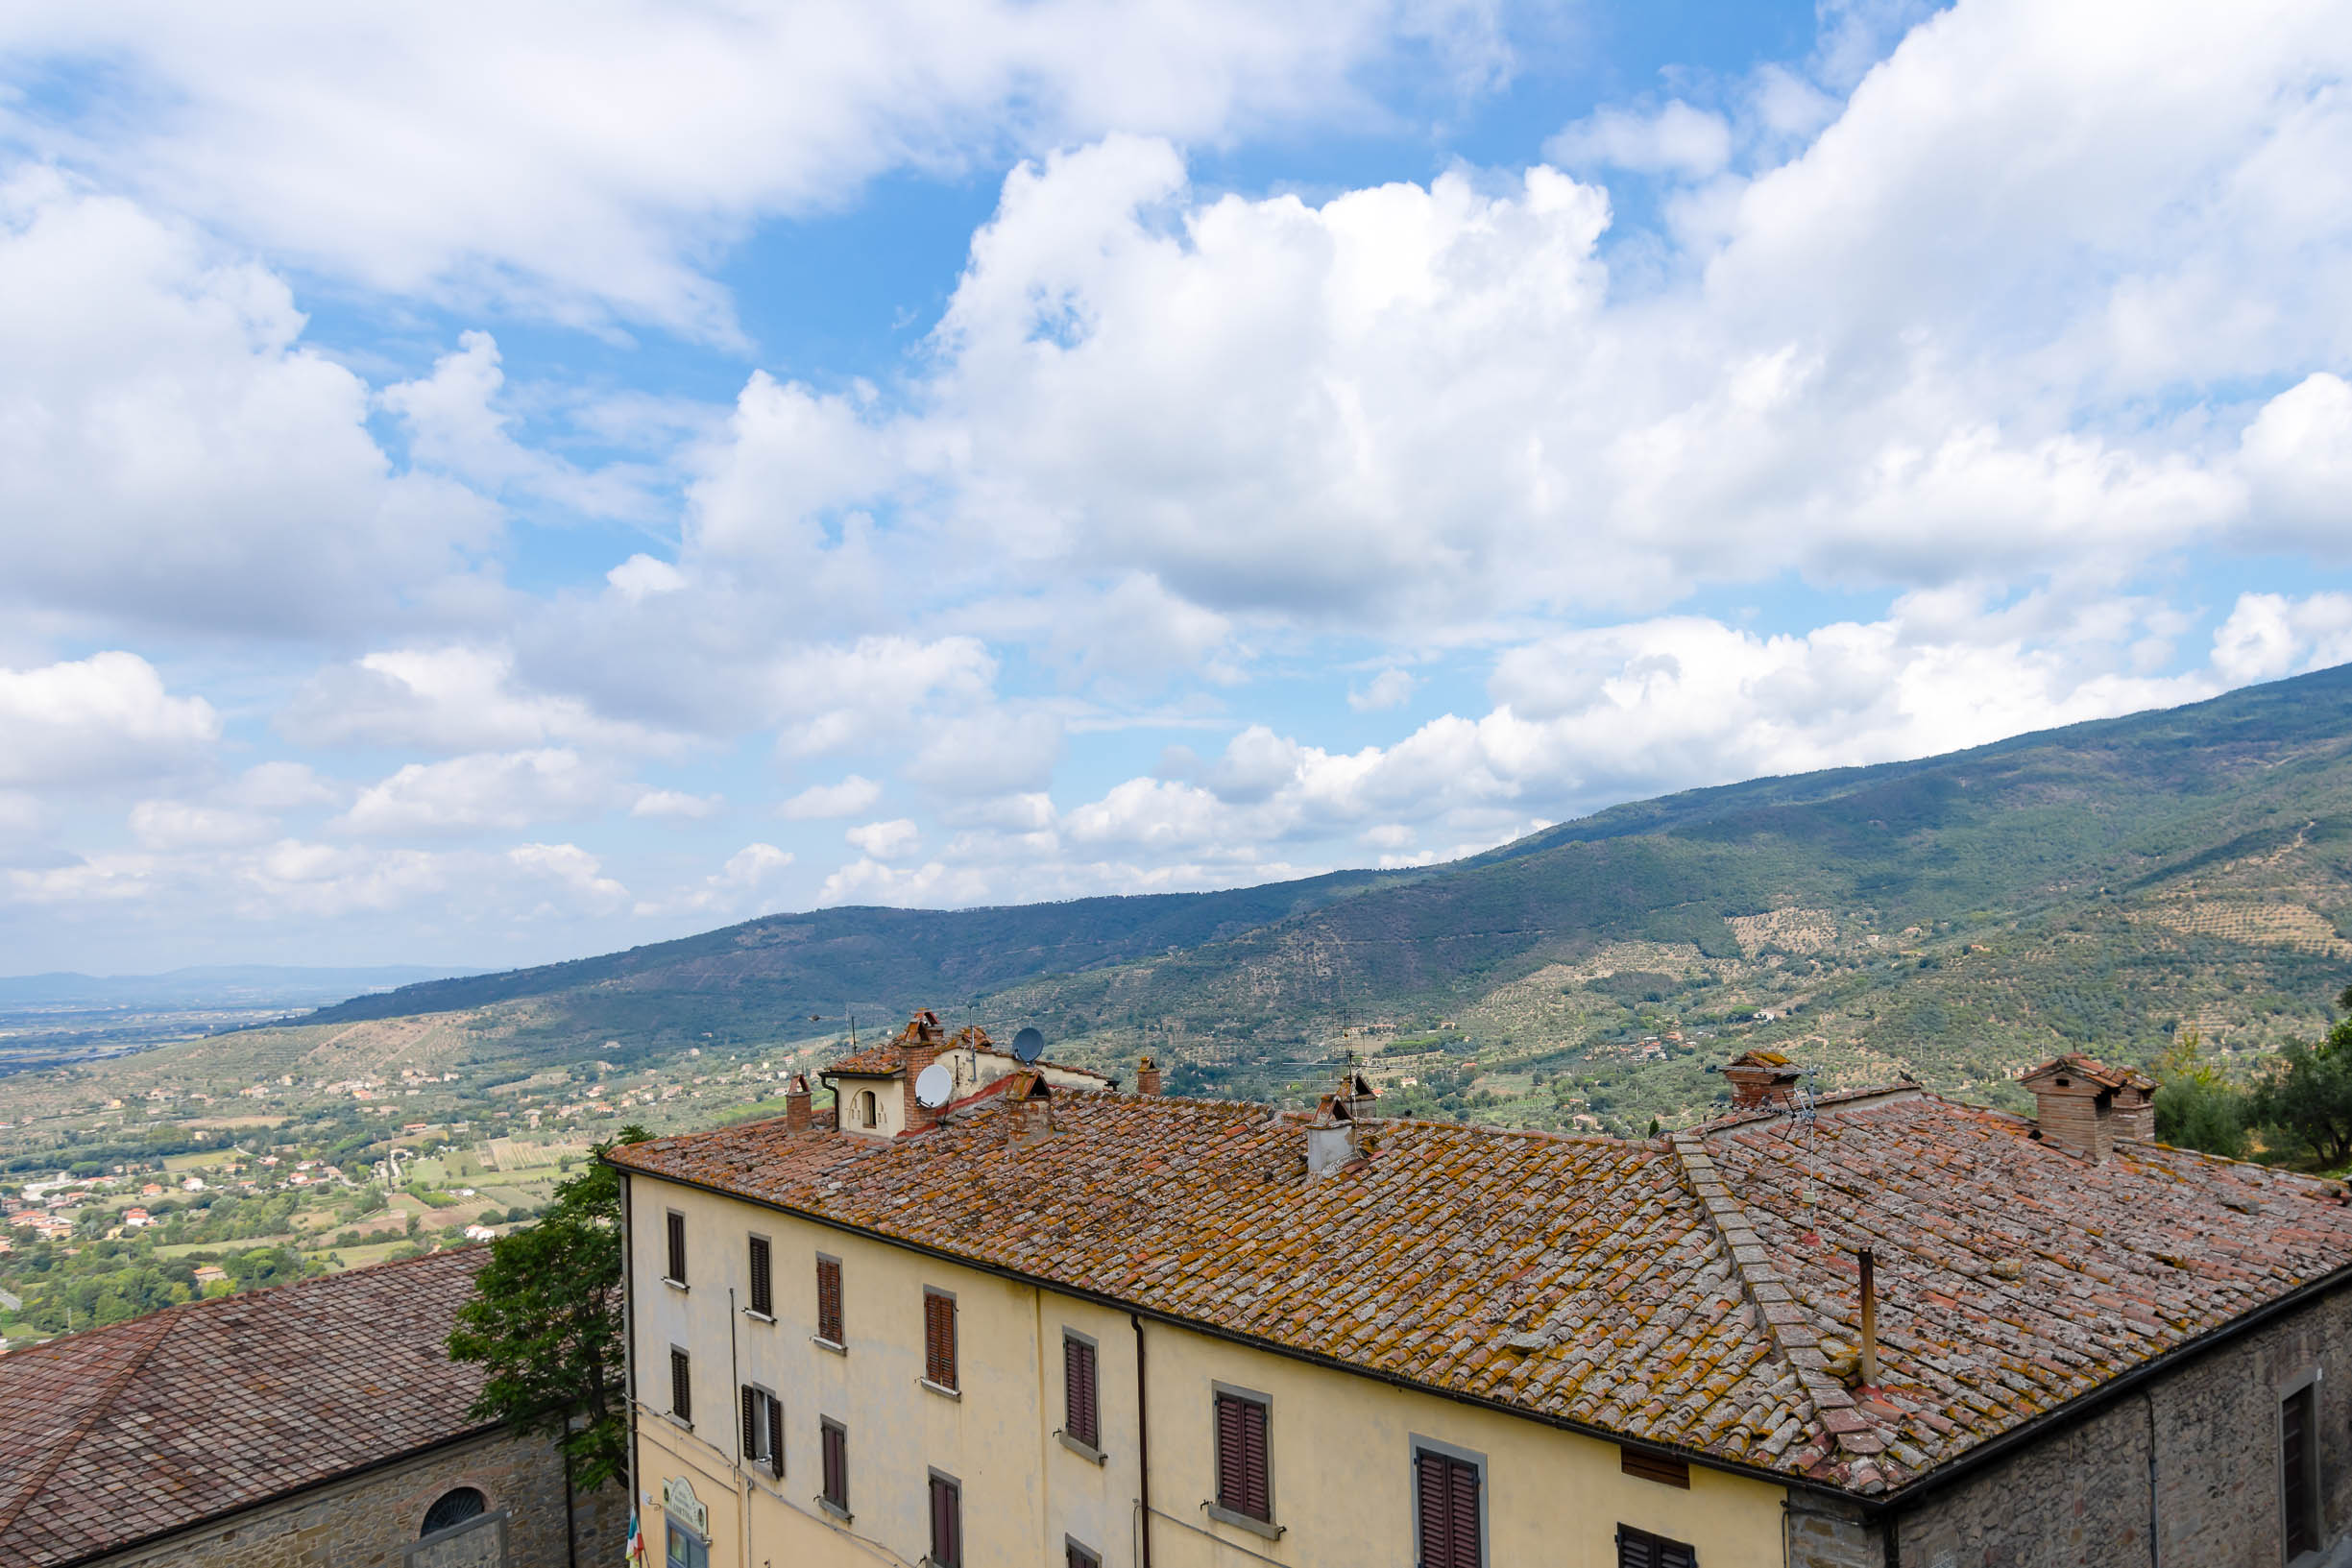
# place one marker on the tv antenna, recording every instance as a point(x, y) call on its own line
point(934, 1086)
point(1029, 1045)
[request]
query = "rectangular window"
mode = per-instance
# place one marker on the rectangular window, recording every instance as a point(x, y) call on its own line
point(939, 1337)
point(1081, 1413)
point(677, 1249)
point(680, 1386)
point(1655, 1467)
point(762, 1280)
point(1079, 1556)
point(946, 1523)
point(2298, 1431)
point(1639, 1549)
point(686, 1549)
point(1446, 1511)
point(764, 1430)
point(836, 1466)
point(1243, 1484)
point(829, 1300)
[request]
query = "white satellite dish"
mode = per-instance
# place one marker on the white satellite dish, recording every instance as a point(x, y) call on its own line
point(933, 1085)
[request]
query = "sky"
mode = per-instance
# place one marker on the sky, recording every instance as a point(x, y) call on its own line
point(482, 484)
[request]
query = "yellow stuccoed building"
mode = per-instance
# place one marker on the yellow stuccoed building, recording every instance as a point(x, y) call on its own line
point(1049, 1323)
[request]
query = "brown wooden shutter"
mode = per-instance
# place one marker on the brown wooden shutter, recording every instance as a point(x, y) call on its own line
point(762, 1289)
point(1639, 1549)
point(836, 1466)
point(751, 1423)
point(775, 1437)
point(1079, 1557)
point(1081, 1417)
point(829, 1300)
point(946, 1524)
point(1658, 1467)
point(1242, 1485)
point(680, 1386)
point(677, 1247)
point(1448, 1490)
point(939, 1338)
point(2294, 1451)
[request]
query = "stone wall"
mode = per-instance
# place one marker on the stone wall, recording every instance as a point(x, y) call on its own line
point(2079, 1497)
point(373, 1521)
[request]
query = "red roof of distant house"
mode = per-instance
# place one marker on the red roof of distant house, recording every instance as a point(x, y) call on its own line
point(123, 1433)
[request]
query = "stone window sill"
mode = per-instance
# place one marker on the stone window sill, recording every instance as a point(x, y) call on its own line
point(758, 1317)
point(834, 1510)
point(1241, 1521)
point(1086, 1452)
point(834, 1345)
point(676, 1284)
point(941, 1390)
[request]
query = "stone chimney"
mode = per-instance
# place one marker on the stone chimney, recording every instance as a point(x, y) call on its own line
point(1147, 1077)
point(920, 1045)
point(1336, 1135)
point(1764, 1081)
point(796, 1104)
point(1356, 1097)
point(2083, 1106)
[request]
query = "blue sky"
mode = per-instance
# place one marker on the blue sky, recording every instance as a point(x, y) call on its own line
point(481, 488)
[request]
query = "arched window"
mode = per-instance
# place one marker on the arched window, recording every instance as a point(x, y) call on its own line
point(453, 1507)
point(866, 1109)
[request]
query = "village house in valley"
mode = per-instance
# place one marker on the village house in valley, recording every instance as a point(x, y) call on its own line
point(317, 1425)
point(1052, 1322)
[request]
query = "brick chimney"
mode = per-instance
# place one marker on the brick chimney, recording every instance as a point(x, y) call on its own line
point(796, 1104)
point(1764, 1081)
point(920, 1045)
point(2083, 1106)
point(1031, 1100)
point(1147, 1077)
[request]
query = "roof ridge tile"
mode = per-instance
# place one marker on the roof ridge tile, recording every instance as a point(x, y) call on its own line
point(1785, 1324)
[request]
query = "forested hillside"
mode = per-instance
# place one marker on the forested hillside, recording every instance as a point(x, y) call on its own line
point(2103, 886)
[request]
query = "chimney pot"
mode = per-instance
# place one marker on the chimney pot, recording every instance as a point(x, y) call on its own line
point(1763, 1079)
point(796, 1104)
point(1147, 1077)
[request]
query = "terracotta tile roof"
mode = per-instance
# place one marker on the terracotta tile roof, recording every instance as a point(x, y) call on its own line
point(1688, 1292)
point(2012, 1276)
point(121, 1433)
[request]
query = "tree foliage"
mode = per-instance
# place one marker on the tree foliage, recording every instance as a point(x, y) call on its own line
point(2196, 1107)
point(2309, 1095)
point(545, 1322)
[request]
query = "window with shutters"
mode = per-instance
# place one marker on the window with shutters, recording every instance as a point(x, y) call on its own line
point(762, 1279)
point(1449, 1529)
point(677, 1249)
point(835, 1440)
point(1245, 1478)
point(1639, 1549)
point(762, 1430)
point(939, 1339)
point(946, 1522)
point(829, 1301)
point(1082, 1419)
point(2298, 1442)
point(680, 1386)
point(1077, 1556)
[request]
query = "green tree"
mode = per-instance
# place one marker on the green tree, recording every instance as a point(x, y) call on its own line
point(2196, 1107)
point(2308, 1096)
point(545, 1321)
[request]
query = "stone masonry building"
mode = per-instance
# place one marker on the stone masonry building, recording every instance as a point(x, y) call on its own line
point(316, 1425)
